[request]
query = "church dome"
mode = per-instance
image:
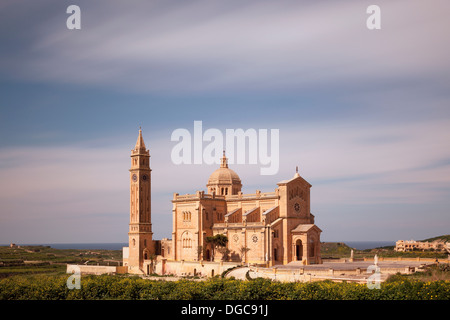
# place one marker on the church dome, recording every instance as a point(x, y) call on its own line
point(224, 176)
point(224, 180)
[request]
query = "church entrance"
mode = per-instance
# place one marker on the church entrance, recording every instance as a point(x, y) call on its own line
point(299, 250)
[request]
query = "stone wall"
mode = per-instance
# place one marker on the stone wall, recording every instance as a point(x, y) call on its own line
point(97, 270)
point(193, 268)
point(409, 259)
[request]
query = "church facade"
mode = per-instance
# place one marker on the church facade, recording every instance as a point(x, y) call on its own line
point(264, 228)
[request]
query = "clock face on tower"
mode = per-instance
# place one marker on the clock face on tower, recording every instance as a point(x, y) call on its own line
point(297, 207)
point(144, 177)
point(134, 177)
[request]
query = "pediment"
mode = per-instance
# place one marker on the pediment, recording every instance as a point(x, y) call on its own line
point(306, 228)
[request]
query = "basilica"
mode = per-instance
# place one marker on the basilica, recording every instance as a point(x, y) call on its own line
point(262, 228)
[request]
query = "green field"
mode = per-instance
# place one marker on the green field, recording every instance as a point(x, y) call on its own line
point(47, 260)
point(44, 259)
point(38, 272)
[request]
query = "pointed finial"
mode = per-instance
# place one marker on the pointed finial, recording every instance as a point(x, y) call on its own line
point(224, 161)
point(296, 172)
point(140, 141)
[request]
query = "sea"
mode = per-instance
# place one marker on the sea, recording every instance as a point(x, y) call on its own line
point(359, 245)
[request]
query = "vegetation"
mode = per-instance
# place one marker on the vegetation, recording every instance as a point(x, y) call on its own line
point(336, 250)
point(39, 287)
point(243, 251)
point(445, 238)
point(431, 273)
point(39, 273)
point(44, 259)
point(218, 242)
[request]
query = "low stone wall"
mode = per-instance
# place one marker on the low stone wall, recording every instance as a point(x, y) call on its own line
point(430, 260)
point(96, 270)
point(313, 275)
point(193, 268)
point(162, 267)
point(447, 260)
point(355, 274)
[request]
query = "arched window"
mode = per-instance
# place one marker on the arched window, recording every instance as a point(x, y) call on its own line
point(187, 216)
point(186, 240)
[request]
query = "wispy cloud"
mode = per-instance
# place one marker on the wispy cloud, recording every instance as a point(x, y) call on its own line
point(200, 46)
point(364, 114)
point(369, 161)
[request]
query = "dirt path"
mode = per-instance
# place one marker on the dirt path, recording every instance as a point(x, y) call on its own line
point(238, 273)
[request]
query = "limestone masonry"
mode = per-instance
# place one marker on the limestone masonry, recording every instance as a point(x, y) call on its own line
point(411, 245)
point(263, 228)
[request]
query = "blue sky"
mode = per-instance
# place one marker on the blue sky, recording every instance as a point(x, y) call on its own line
point(365, 114)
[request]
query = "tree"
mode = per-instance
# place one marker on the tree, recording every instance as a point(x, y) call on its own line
point(225, 253)
point(243, 251)
point(217, 241)
point(153, 262)
point(199, 252)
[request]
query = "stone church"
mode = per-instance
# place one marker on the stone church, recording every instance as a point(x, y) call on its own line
point(264, 228)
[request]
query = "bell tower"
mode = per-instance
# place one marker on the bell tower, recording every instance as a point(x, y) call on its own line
point(140, 232)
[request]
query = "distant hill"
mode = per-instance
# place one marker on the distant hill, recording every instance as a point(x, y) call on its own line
point(334, 249)
point(445, 238)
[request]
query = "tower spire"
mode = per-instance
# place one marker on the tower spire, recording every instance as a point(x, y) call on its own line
point(140, 145)
point(224, 161)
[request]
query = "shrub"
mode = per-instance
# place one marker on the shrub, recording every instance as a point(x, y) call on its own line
point(40, 287)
